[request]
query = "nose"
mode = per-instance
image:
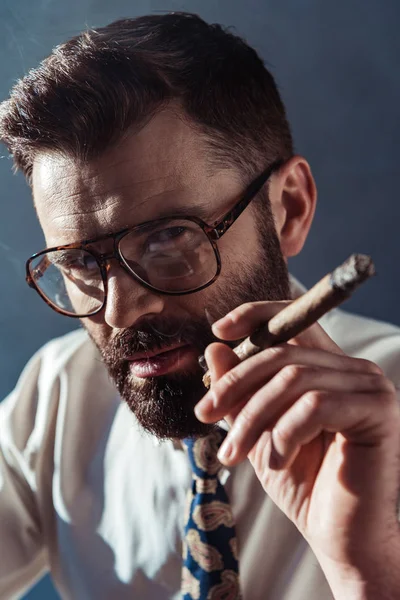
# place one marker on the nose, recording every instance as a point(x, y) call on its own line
point(128, 300)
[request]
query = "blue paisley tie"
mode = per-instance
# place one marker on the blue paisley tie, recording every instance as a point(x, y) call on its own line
point(210, 555)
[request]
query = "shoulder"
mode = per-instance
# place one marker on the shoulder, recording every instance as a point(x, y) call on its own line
point(73, 350)
point(55, 358)
point(59, 352)
point(51, 359)
point(368, 338)
point(60, 380)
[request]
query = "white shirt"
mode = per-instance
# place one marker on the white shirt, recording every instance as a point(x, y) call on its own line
point(86, 495)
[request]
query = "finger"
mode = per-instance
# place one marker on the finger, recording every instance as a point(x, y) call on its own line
point(364, 419)
point(291, 383)
point(220, 359)
point(245, 378)
point(245, 319)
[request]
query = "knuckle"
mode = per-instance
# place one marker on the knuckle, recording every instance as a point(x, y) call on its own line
point(230, 379)
point(313, 401)
point(225, 384)
point(246, 417)
point(284, 433)
point(390, 388)
point(390, 407)
point(291, 374)
point(384, 384)
point(276, 356)
point(279, 352)
point(388, 397)
point(370, 366)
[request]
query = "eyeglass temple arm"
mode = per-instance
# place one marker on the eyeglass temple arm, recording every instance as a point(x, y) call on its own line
point(227, 221)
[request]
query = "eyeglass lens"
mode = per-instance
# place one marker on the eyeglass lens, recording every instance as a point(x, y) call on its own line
point(174, 255)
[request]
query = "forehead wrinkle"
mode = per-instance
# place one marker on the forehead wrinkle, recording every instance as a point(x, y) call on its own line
point(129, 186)
point(204, 210)
point(106, 221)
point(200, 210)
point(116, 202)
point(129, 160)
point(90, 174)
point(86, 212)
point(88, 201)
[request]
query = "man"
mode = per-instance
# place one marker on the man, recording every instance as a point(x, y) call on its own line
point(164, 179)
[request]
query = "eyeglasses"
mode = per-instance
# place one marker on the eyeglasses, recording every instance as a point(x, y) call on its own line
point(170, 255)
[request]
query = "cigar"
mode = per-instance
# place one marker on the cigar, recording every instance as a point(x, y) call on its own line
point(329, 292)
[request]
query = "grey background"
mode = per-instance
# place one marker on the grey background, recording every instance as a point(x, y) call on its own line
point(337, 65)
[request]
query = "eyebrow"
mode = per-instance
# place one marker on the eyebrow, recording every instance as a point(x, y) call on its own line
point(192, 210)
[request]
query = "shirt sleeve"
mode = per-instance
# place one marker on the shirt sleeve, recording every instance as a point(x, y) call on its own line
point(23, 558)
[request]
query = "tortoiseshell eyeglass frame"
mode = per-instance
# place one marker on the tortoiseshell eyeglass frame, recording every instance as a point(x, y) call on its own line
point(214, 232)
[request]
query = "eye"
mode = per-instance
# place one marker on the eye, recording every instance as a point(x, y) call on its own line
point(74, 262)
point(165, 238)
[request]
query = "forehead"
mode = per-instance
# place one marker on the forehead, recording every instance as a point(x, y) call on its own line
point(147, 174)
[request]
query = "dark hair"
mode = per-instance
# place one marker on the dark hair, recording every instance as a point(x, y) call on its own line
point(95, 87)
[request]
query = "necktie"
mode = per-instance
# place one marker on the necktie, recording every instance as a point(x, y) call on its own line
point(210, 556)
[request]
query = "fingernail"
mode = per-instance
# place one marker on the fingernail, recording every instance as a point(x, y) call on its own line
point(203, 363)
point(225, 452)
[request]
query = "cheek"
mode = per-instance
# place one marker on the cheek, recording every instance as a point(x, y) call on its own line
point(239, 251)
point(239, 248)
point(213, 302)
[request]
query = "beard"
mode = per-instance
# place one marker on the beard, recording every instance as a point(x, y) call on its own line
point(164, 405)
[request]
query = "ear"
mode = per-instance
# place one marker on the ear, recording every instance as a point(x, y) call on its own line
point(293, 196)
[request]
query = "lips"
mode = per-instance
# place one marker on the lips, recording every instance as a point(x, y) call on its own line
point(151, 353)
point(160, 362)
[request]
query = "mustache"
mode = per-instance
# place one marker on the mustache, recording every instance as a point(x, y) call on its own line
point(158, 333)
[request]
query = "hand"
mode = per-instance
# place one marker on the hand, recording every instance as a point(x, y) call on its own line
point(320, 428)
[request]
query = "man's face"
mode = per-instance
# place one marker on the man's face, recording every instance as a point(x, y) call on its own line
point(151, 342)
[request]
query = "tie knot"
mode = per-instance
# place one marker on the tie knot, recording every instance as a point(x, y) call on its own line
point(202, 453)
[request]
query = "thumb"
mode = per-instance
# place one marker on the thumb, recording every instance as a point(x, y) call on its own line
point(220, 359)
